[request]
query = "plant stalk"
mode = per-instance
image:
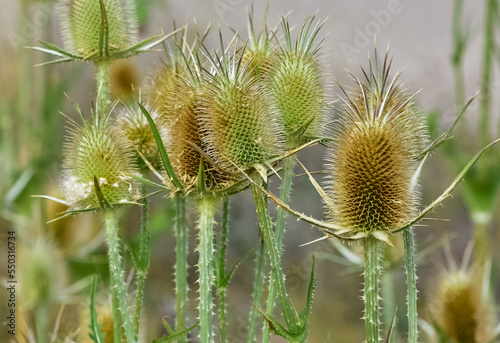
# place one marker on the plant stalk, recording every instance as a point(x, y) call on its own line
point(144, 257)
point(258, 287)
point(103, 90)
point(289, 312)
point(116, 273)
point(371, 291)
point(221, 291)
point(117, 318)
point(181, 264)
point(411, 284)
point(206, 207)
point(42, 322)
point(285, 192)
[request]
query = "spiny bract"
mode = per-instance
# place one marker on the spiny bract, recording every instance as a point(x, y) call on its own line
point(239, 126)
point(81, 22)
point(375, 155)
point(98, 151)
point(294, 79)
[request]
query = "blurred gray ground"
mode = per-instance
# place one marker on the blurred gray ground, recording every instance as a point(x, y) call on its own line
point(419, 33)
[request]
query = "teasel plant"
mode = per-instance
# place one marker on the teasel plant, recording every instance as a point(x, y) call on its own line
point(295, 81)
point(458, 310)
point(381, 136)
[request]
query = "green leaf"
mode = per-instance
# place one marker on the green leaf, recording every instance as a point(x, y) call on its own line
point(174, 335)
point(225, 281)
point(389, 334)
point(104, 33)
point(97, 336)
point(57, 49)
point(161, 148)
point(135, 258)
point(103, 203)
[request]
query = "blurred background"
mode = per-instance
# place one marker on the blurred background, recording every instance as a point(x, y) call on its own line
point(441, 46)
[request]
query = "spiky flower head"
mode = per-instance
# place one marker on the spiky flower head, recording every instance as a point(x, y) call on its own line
point(459, 309)
point(378, 142)
point(97, 153)
point(42, 276)
point(135, 129)
point(82, 22)
point(240, 129)
point(295, 81)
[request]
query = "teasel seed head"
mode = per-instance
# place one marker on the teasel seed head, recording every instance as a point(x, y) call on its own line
point(81, 24)
point(296, 83)
point(97, 152)
point(376, 152)
point(459, 309)
point(42, 276)
point(124, 81)
point(134, 128)
point(240, 129)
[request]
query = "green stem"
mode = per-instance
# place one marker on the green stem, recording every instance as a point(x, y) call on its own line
point(289, 312)
point(117, 318)
point(487, 72)
point(481, 247)
point(411, 284)
point(258, 287)
point(285, 192)
point(42, 322)
point(181, 264)
point(389, 303)
point(206, 207)
point(116, 273)
point(458, 54)
point(144, 260)
point(103, 89)
point(371, 291)
point(221, 291)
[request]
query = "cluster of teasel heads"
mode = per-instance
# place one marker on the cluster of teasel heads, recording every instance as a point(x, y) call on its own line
point(227, 115)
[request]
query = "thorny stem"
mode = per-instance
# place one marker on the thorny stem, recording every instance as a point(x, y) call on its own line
point(42, 322)
point(258, 287)
point(181, 264)
point(289, 312)
point(116, 273)
point(117, 318)
point(103, 90)
point(206, 207)
point(221, 291)
point(285, 192)
point(411, 284)
point(371, 291)
point(486, 72)
point(144, 260)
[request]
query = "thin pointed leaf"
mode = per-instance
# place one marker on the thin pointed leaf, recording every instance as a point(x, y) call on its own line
point(448, 190)
point(60, 201)
point(97, 336)
point(135, 258)
point(201, 177)
point(148, 182)
point(104, 32)
point(161, 149)
point(175, 335)
point(103, 203)
point(227, 278)
point(393, 323)
point(61, 60)
point(57, 49)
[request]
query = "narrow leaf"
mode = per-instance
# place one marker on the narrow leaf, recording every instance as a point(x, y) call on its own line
point(97, 336)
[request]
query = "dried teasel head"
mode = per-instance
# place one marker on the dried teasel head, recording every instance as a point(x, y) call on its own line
point(378, 141)
point(96, 153)
point(296, 83)
point(459, 310)
point(240, 129)
point(81, 22)
point(135, 130)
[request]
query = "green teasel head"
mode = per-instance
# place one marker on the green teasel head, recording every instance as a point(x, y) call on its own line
point(296, 83)
point(135, 130)
point(377, 145)
point(240, 130)
point(82, 22)
point(97, 153)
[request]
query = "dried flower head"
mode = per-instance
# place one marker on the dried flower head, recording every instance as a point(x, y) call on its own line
point(124, 80)
point(459, 309)
point(239, 127)
point(135, 129)
point(81, 22)
point(295, 81)
point(377, 146)
point(96, 152)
